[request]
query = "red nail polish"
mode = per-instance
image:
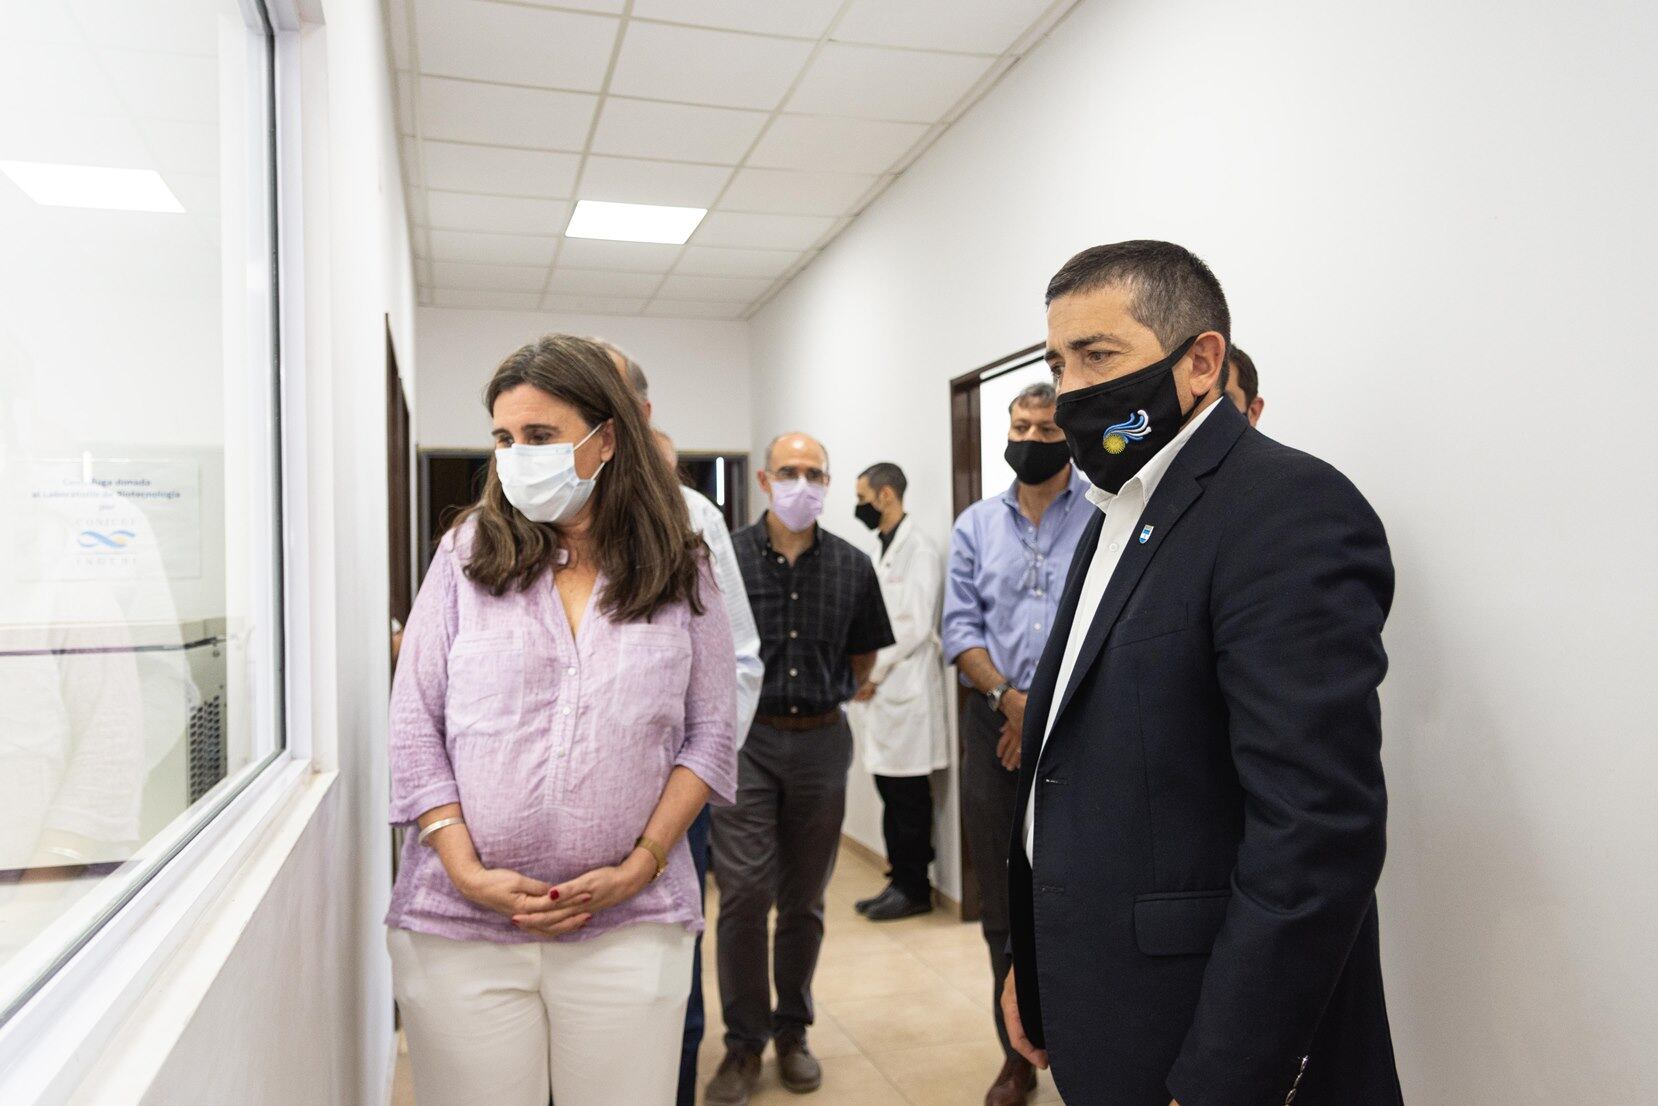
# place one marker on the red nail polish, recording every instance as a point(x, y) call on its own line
point(554, 895)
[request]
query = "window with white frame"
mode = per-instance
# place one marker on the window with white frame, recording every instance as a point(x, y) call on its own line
point(140, 599)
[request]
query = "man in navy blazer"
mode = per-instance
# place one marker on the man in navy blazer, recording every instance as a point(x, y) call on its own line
point(1192, 880)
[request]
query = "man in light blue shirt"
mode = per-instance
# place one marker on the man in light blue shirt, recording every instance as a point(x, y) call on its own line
point(1009, 556)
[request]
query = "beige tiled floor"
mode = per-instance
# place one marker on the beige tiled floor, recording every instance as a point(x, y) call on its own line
point(903, 1009)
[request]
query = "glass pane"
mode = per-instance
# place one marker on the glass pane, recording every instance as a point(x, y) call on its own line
point(139, 637)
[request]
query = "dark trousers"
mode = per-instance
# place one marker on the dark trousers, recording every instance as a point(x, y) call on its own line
point(907, 825)
point(777, 846)
point(697, 838)
point(989, 796)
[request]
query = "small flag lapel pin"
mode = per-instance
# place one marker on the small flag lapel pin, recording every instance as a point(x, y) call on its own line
point(1145, 535)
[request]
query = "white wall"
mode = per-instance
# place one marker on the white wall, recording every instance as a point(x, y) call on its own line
point(698, 369)
point(1434, 223)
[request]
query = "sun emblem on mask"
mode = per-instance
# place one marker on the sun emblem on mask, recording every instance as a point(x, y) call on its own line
point(1132, 429)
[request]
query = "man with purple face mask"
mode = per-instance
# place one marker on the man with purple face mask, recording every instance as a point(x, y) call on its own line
point(817, 602)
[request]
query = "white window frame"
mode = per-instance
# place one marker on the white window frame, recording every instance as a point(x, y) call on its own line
point(49, 1044)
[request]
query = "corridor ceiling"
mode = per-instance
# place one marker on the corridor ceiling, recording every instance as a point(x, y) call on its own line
point(785, 118)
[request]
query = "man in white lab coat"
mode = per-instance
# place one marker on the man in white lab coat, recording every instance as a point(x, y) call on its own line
point(898, 716)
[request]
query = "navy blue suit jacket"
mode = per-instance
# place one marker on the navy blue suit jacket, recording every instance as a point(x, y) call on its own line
point(1210, 813)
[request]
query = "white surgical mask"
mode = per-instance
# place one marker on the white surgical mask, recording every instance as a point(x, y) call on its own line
point(541, 480)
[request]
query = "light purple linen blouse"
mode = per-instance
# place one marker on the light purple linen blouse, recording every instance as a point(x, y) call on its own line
point(557, 748)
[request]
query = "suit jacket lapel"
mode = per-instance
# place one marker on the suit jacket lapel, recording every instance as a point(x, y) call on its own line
point(1047, 666)
point(1053, 651)
point(1173, 496)
point(1178, 490)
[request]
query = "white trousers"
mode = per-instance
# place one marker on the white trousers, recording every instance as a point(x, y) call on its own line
point(491, 1023)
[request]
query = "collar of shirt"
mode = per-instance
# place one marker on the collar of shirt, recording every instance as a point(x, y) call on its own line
point(1078, 485)
point(1143, 484)
point(762, 534)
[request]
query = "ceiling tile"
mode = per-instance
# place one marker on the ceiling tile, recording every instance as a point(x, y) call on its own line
point(591, 282)
point(847, 145)
point(627, 257)
point(35, 23)
point(716, 261)
point(614, 7)
point(423, 272)
point(682, 286)
point(679, 132)
point(405, 104)
point(808, 18)
point(785, 191)
point(409, 148)
point(472, 297)
point(189, 27)
point(497, 214)
point(185, 147)
point(533, 117)
point(726, 228)
point(397, 29)
point(706, 67)
point(458, 168)
point(164, 86)
point(627, 180)
point(61, 78)
point(514, 44)
point(875, 82)
point(984, 26)
point(74, 140)
point(696, 309)
point(591, 305)
point(496, 278)
point(493, 249)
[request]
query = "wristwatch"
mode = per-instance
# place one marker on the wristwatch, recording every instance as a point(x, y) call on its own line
point(994, 695)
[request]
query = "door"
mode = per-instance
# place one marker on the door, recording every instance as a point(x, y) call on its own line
point(978, 428)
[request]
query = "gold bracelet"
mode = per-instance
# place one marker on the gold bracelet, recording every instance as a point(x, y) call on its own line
point(658, 854)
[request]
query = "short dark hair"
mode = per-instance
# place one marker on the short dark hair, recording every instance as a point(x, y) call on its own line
point(1172, 292)
point(885, 474)
point(1040, 394)
point(1248, 379)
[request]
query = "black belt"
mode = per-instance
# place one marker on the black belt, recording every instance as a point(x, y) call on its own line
point(799, 721)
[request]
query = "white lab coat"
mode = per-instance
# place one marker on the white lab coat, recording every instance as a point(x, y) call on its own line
point(902, 729)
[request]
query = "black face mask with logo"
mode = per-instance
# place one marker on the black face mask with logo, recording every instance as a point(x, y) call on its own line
point(1114, 428)
point(868, 514)
point(1036, 462)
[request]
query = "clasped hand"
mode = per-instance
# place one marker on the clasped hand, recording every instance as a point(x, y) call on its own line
point(552, 911)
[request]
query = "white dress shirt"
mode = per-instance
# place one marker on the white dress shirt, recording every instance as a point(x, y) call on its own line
point(707, 520)
point(1122, 515)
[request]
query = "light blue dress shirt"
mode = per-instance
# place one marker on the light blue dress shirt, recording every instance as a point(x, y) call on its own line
point(1002, 591)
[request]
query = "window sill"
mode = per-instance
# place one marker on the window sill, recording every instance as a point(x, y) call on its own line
point(49, 1046)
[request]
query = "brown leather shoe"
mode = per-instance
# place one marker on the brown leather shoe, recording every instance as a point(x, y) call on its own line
point(1014, 1085)
point(735, 1079)
point(797, 1067)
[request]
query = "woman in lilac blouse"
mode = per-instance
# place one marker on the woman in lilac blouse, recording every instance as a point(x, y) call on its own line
point(562, 710)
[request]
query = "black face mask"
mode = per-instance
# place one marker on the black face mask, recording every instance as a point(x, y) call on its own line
point(1114, 428)
point(1036, 462)
point(869, 515)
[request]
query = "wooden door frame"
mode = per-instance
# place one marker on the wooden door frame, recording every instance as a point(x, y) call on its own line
point(399, 491)
point(966, 489)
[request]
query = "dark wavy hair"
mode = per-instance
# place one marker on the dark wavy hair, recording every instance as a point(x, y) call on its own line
point(641, 530)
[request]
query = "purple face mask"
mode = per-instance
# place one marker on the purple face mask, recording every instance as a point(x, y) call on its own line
point(797, 503)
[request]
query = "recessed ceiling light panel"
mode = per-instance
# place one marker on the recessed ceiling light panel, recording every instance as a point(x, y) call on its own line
point(92, 186)
point(633, 222)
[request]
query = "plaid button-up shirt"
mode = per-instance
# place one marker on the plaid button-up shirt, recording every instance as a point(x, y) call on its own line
point(813, 615)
